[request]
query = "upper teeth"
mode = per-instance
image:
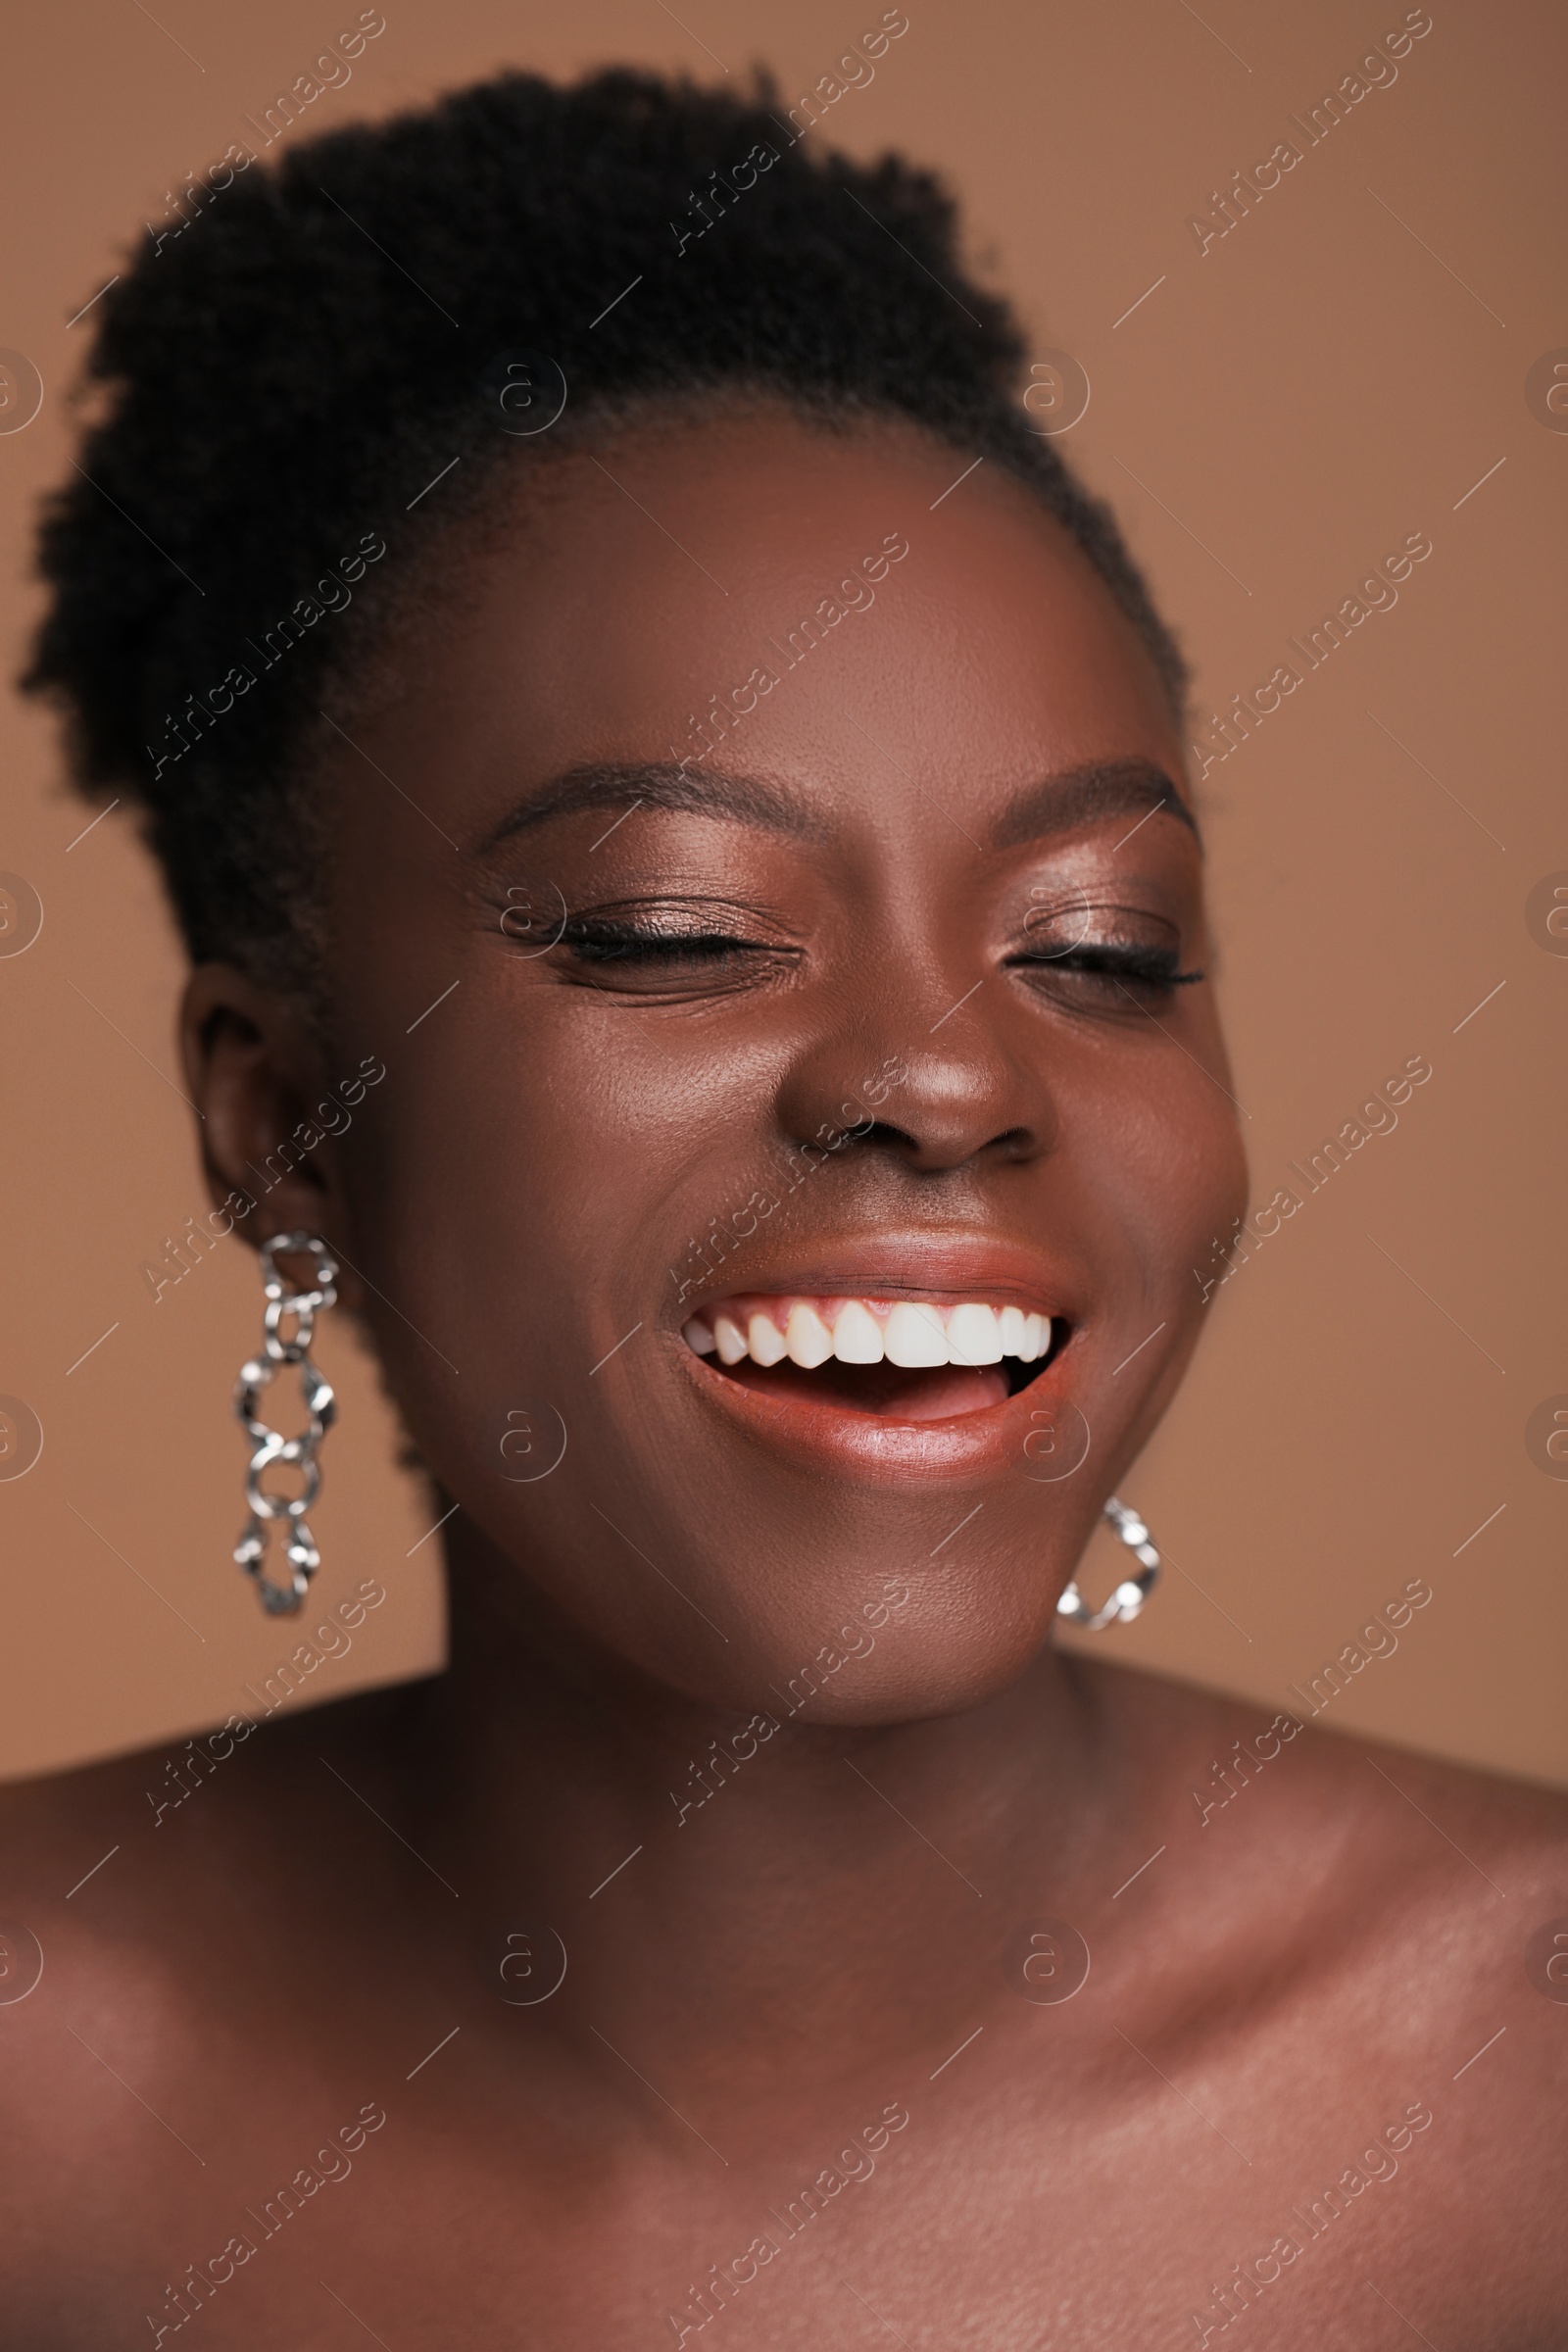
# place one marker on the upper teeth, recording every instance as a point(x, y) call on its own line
point(866, 1331)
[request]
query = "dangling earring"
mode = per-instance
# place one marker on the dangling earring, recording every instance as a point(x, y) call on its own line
point(285, 1601)
point(1130, 1596)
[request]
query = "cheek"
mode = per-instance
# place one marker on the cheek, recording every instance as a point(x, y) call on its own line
point(527, 1185)
point(511, 1161)
point(1207, 1155)
point(1222, 1179)
point(1165, 1170)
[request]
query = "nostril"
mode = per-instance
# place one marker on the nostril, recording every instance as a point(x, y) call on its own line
point(883, 1136)
point(933, 1154)
point(939, 1146)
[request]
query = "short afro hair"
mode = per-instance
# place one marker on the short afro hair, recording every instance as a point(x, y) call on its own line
point(279, 385)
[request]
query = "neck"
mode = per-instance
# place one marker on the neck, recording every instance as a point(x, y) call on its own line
point(773, 1874)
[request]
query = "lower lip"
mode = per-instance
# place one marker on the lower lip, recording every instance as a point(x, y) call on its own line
point(858, 1443)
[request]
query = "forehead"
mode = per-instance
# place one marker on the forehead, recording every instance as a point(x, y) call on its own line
point(837, 608)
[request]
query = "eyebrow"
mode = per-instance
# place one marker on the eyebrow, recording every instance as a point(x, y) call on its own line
point(660, 784)
point(1092, 793)
point(1097, 791)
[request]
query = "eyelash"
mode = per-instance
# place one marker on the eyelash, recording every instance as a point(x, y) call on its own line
point(1153, 969)
point(599, 941)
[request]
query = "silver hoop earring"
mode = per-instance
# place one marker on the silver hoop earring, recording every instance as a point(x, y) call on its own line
point(249, 1553)
point(1130, 1596)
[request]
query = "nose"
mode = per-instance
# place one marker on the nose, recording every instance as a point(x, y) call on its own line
point(938, 1094)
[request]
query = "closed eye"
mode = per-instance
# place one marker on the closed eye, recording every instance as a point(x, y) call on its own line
point(598, 940)
point(1153, 969)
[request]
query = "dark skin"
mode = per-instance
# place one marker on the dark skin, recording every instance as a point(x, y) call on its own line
point(929, 866)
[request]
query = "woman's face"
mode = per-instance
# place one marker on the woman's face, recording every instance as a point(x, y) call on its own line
point(867, 993)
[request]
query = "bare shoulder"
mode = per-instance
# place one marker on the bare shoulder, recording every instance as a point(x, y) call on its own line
point(1416, 1839)
point(1373, 1945)
point(1510, 1834)
point(96, 1861)
point(1380, 1892)
point(60, 1829)
point(1519, 1827)
point(1459, 1878)
point(1351, 1805)
point(109, 1838)
point(86, 1999)
point(122, 1876)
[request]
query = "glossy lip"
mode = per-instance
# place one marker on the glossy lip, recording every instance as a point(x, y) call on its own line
point(947, 1271)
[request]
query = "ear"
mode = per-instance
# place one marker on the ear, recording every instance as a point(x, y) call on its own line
point(253, 1070)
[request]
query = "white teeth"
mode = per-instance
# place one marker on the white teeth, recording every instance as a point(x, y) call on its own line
point(730, 1339)
point(857, 1336)
point(766, 1341)
point(974, 1336)
point(912, 1333)
point(914, 1336)
point(808, 1341)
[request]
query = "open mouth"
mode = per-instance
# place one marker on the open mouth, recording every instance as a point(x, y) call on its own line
point(896, 1359)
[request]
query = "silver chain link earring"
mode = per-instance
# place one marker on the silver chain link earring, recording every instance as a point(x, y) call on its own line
point(1130, 1596)
point(249, 1553)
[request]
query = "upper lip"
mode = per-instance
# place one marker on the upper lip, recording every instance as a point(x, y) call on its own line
point(944, 1268)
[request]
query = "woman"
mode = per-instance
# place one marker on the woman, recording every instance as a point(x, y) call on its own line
point(603, 653)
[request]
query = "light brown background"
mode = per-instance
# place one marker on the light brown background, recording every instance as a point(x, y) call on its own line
point(1274, 417)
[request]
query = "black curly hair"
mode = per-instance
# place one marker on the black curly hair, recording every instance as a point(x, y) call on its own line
point(278, 386)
